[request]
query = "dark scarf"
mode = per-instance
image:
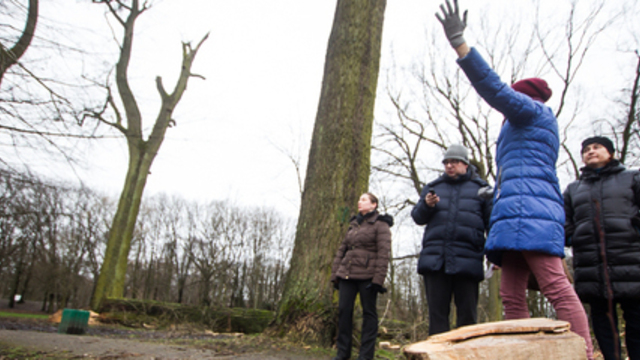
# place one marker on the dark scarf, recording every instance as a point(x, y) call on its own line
point(612, 167)
point(360, 218)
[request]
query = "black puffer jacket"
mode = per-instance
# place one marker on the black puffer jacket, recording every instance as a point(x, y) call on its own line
point(606, 202)
point(455, 233)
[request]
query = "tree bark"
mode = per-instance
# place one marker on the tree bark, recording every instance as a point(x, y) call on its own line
point(338, 168)
point(495, 302)
point(141, 155)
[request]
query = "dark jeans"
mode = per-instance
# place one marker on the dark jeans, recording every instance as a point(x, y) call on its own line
point(440, 287)
point(348, 291)
point(605, 333)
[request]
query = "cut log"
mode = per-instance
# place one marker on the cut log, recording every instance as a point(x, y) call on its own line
point(525, 339)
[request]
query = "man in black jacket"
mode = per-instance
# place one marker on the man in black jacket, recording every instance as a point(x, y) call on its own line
point(453, 242)
point(602, 226)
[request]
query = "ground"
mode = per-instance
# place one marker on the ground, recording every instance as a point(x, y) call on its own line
point(38, 339)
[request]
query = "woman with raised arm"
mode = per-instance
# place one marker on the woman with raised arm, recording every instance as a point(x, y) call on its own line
point(527, 222)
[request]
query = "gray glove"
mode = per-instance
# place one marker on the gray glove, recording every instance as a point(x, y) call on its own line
point(453, 25)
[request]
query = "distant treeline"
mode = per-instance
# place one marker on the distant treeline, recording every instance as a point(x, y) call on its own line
point(216, 254)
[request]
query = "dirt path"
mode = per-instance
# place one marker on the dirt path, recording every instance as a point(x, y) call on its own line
point(89, 346)
point(113, 342)
point(93, 347)
point(104, 348)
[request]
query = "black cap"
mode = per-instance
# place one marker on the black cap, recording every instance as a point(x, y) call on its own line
point(604, 141)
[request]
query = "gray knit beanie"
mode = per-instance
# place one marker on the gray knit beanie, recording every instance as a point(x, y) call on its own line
point(458, 152)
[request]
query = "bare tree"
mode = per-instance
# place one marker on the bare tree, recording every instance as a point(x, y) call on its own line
point(631, 126)
point(625, 128)
point(40, 108)
point(565, 56)
point(9, 56)
point(50, 244)
point(142, 151)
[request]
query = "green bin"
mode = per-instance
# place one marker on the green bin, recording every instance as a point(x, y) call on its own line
point(73, 322)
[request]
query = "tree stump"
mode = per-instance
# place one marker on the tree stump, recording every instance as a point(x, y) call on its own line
point(524, 339)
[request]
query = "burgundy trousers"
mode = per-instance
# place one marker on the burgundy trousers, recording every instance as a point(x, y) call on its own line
point(554, 285)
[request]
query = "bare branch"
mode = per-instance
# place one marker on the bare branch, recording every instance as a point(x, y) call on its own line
point(46, 133)
point(632, 113)
point(10, 57)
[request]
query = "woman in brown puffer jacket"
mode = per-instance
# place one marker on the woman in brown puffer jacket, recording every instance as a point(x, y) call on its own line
point(360, 266)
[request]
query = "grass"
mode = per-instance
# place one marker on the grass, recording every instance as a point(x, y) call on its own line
point(16, 352)
point(23, 315)
point(249, 344)
point(389, 354)
point(254, 343)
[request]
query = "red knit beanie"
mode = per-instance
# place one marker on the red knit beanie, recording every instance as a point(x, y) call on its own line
point(536, 88)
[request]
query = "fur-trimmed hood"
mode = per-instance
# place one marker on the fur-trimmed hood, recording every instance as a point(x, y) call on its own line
point(373, 217)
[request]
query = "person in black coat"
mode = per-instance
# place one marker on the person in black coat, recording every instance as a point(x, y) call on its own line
point(451, 260)
point(602, 227)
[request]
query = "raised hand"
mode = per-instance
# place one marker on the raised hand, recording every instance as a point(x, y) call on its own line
point(452, 24)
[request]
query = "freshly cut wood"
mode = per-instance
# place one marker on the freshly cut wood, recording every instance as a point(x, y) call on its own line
point(503, 327)
point(388, 346)
point(56, 318)
point(526, 339)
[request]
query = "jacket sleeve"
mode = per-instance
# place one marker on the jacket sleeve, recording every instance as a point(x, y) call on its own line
point(383, 243)
point(569, 225)
point(518, 108)
point(336, 260)
point(421, 212)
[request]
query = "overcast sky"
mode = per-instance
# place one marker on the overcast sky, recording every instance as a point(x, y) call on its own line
point(263, 64)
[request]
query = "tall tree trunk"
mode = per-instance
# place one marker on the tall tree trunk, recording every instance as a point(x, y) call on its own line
point(29, 275)
point(338, 168)
point(17, 276)
point(495, 303)
point(141, 153)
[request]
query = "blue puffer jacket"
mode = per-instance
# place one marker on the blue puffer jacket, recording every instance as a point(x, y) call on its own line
point(454, 237)
point(528, 212)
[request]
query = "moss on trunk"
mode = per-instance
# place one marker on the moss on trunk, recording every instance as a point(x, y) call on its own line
point(338, 168)
point(135, 313)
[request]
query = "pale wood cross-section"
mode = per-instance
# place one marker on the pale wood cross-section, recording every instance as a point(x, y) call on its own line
point(524, 339)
